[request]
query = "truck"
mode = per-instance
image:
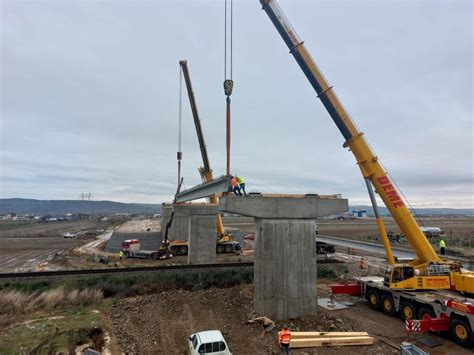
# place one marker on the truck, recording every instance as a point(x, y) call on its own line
point(432, 232)
point(132, 249)
point(436, 290)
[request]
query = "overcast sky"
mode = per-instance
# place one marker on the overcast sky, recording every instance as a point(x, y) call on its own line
point(89, 97)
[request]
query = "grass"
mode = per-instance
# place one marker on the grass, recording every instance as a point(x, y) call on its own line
point(126, 286)
point(332, 272)
point(14, 303)
point(51, 335)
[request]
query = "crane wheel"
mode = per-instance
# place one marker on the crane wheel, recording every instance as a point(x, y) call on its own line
point(183, 250)
point(423, 313)
point(388, 307)
point(461, 332)
point(407, 311)
point(127, 254)
point(228, 249)
point(374, 299)
point(220, 249)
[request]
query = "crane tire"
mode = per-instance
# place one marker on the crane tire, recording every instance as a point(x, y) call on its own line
point(374, 299)
point(228, 249)
point(388, 306)
point(183, 250)
point(407, 310)
point(220, 249)
point(461, 332)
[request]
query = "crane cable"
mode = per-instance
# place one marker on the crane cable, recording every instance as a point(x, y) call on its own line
point(179, 155)
point(228, 82)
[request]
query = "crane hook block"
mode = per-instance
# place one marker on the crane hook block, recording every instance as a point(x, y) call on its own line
point(228, 86)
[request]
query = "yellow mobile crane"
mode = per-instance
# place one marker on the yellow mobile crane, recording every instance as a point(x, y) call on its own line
point(401, 286)
point(225, 241)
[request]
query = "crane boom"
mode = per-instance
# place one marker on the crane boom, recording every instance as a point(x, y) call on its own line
point(197, 120)
point(205, 171)
point(368, 162)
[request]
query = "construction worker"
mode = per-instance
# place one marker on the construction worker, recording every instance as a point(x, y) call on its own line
point(284, 337)
point(121, 254)
point(241, 182)
point(442, 246)
point(235, 186)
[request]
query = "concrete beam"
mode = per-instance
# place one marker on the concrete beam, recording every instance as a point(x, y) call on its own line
point(215, 187)
point(290, 207)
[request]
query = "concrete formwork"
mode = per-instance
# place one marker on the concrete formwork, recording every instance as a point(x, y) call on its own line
point(285, 274)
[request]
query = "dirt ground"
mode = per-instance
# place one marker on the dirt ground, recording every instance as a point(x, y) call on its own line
point(457, 226)
point(160, 323)
point(140, 225)
point(24, 244)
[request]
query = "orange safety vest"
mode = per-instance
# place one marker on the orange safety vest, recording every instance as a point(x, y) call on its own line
point(234, 182)
point(284, 336)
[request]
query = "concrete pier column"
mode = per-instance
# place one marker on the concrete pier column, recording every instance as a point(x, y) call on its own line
point(285, 274)
point(196, 223)
point(179, 227)
point(202, 239)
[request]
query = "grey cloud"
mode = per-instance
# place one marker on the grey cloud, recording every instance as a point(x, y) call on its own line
point(89, 97)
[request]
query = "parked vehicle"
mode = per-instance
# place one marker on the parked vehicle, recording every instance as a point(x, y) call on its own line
point(208, 342)
point(69, 235)
point(249, 236)
point(132, 249)
point(324, 248)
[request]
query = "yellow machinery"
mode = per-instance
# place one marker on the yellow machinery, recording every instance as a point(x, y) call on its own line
point(225, 242)
point(428, 270)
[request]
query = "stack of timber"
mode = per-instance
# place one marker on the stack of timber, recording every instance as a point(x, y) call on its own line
point(315, 339)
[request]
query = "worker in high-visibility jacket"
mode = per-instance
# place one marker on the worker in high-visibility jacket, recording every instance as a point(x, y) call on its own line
point(442, 246)
point(284, 337)
point(241, 182)
point(235, 186)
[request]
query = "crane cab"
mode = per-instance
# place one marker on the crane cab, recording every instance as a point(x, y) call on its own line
point(409, 277)
point(400, 276)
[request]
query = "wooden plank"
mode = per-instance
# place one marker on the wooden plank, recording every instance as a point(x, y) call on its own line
point(317, 342)
point(305, 335)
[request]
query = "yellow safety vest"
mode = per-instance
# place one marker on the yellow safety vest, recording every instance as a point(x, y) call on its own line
point(240, 180)
point(442, 244)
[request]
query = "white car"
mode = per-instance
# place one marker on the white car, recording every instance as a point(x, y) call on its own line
point(208, 342)
point(69, 235)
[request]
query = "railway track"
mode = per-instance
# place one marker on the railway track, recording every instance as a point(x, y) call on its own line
point(115, 271)
point(132, 270)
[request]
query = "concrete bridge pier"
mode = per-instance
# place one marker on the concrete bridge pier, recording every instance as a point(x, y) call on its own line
point(195, 223)
point(285, 269)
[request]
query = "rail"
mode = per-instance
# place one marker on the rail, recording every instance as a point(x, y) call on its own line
point(112, 271)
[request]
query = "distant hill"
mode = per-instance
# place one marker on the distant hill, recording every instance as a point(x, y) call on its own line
point(62, 207)
point(421, 211)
